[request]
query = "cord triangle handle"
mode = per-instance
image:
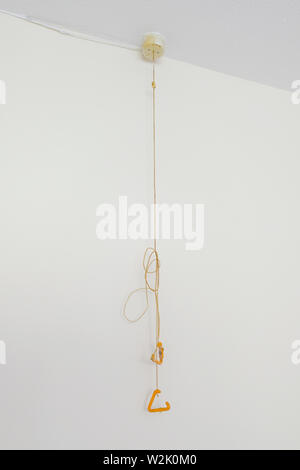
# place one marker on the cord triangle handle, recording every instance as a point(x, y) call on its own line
point(157, 410)
point(159, 351)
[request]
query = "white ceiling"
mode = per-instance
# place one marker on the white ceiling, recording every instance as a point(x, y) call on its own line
point(254, 39)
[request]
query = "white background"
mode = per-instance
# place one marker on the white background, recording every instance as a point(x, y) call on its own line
point(76, 132)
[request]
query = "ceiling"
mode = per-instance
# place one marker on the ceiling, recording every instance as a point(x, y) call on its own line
point(257, 40)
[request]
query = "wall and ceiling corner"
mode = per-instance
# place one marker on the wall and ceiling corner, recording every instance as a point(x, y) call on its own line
point(73, 135)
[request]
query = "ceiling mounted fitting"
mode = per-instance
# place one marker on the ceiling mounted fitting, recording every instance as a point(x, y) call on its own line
point(153, 46)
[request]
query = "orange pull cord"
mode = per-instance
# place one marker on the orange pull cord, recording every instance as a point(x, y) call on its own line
point(151, 266)
point(154, 212)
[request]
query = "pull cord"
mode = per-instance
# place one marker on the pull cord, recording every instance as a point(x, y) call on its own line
point(151, 262)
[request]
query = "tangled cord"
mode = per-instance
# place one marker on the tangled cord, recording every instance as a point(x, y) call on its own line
point(150, 258)
point(151, 266)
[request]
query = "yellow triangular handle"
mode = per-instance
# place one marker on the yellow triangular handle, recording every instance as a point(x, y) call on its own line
point(160, 350)
point(155, 410)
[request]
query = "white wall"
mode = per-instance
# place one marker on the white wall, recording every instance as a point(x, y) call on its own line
point(75, 132)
